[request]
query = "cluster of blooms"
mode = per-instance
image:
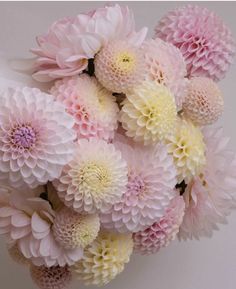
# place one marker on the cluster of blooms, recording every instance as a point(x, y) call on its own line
point(118, 155)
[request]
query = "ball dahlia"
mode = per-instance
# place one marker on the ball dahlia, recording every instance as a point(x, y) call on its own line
point(95, 179)
point(187, 147)
point(150, 188)
point(72, 230)
point(204, 40)
point(148, 113)
point(93, 108)
point(204, 102)
point(104, 259)
point(27, 221)
point(36, 137)
point(119, 66)
point(65, 49)
point(51, 278)
point(210, 196)
point(165, 65)
point(161, 233)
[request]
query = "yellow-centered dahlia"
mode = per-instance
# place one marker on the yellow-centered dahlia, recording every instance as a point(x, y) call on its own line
point(73, 230)
point(149, 113)
point(95, 179)
point(104, 259)
point(187, 147)
point(119, 66)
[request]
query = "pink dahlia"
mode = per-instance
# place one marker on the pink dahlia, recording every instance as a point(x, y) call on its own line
point(95, 179)
point(27, 221)
point(205, 41)
point(93, 108)
point(165, 65)
point(151, 179)
point(36, 137)
point(161, 233)
point(65, 49)
point(210, 196)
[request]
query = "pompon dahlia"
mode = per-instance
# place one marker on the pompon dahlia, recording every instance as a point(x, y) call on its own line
point(148, 113)
point(73, 230)
point(204, 102)
point(104, 259)
point(119, 66)
point(150, 188)
point(165, 65)
point(51, 278)
point(65, 49)
point(16, 255)
point(210, 196)
point(27, 221)
point(93, 108)
point(36, 137)
point(161, 233)
point(187, 147)
point(95, 179)
point(205, 41)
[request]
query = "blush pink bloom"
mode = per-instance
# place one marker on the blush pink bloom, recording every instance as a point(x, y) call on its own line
point(161, 233)
point(36, 137)
point(93, 108)
point(210, 196)
point(27, 221)
point(65, 49)
point(205, 41)
point(151, 179)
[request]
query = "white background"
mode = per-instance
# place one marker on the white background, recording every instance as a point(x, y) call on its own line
point(208, 264)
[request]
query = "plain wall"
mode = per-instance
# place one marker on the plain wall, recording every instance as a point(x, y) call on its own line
point(208, 264)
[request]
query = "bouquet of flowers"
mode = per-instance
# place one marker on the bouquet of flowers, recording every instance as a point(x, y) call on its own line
point(118, 154)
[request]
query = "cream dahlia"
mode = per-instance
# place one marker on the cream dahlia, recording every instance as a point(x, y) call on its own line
point(104, 259)
point(51, 278)
point(95, 179)
point(119, 66)
point(148, 113)
point(161, 233)
point(204, 40)
point(73, 230)
point(187, 147)
point(210, 196)
point(203, 103)
point(165, 65)
point(93, 108)
point(36, 137)
point(65, 49)
point(27, 221)
point(150, 188)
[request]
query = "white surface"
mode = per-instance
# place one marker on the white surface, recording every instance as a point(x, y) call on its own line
point(208, 264)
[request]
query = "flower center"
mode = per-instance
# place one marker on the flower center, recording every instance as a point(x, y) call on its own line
point(125, 61)
point(23, 136)
point(136, 185)
point(94, 178)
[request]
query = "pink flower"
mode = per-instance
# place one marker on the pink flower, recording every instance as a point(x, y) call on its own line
point(151, 179)
point(36, 137)
point(210, 196)
point(27, 221)
point(70, 42)
point(165, 65)
point(93, 108)
point(205, 41)
point(161, 233)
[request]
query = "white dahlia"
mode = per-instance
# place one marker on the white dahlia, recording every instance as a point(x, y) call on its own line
point(95, 179)
point(36, 137)
point(150, 189)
